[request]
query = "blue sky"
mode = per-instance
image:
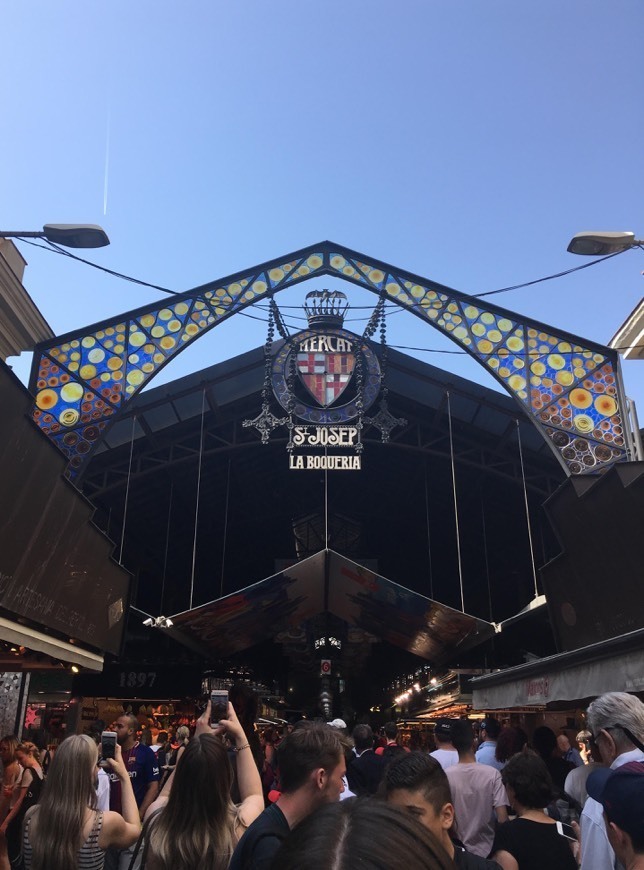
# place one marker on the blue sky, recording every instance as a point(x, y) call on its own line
point(466, 141)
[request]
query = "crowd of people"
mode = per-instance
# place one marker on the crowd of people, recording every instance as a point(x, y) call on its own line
point(225, 797)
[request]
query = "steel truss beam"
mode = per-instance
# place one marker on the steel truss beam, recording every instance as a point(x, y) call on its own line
point(569, 387)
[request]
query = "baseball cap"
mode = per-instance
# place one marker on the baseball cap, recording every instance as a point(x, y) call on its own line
point(338, 723)
point(491, 726)
point(621, 793)
point(443, 728)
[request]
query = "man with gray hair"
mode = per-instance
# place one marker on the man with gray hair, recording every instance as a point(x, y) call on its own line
point(616, 722)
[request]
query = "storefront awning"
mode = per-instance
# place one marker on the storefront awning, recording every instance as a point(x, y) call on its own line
point(38, 642)
point(616, 665)
point(329, 582)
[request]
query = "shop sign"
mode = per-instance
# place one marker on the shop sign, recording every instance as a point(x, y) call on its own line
point(537, 690)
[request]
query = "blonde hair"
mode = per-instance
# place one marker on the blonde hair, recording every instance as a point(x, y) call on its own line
point(56, 829)
point(12, 743)
point(183, 733)
point(196, 827)
point(29, 749)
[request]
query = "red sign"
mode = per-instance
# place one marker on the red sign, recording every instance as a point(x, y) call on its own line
point(325, 667)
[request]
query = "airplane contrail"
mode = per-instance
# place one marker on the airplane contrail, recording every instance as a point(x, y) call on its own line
point(107, 159)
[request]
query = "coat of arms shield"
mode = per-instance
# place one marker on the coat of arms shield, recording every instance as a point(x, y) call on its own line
point(325, 375)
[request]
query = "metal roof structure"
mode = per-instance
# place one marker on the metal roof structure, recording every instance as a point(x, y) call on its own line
point(395, 517)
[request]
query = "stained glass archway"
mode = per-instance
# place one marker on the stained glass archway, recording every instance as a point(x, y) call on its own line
point(568, 386)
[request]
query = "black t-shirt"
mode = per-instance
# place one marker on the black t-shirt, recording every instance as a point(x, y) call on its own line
point(257, 848)
point(467, 861)
point(534, 845)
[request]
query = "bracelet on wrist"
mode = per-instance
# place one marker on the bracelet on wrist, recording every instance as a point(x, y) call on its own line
point(239, 748)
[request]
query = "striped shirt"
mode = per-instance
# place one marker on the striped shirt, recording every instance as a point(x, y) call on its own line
point(90, 855)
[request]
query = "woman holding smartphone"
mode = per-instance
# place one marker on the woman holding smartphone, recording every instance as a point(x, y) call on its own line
point(65, 831)
point(200, 826)
point(533, 840)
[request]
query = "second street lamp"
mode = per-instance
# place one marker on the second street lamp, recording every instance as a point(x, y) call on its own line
point(69, 235)
point(601, 244)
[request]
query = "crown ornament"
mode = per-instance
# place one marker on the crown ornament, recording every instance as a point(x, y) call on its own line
point(325, 308)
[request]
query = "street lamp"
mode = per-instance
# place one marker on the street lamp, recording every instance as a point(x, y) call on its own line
point(70, 235)
point(601, 244)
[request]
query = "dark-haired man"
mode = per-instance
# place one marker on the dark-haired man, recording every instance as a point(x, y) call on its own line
point(364, 772)
point(489, 731)
point(391, 749)
point(417, 783)
point(143, 768)
point(478, 793)
point(311, 767)
point(445, 754)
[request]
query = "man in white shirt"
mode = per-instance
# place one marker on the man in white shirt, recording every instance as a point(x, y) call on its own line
point(621, 794)
point(616, 721)
point(445, 754)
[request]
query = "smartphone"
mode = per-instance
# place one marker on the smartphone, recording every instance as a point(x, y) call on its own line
point(108, 745)
point(218, 705)
point(566, 831)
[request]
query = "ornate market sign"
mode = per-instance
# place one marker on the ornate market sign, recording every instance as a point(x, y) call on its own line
point(325, 378)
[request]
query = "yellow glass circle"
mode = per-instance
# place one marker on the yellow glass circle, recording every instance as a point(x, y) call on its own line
point(46, 399)
point(565, 378)
point(556, 362)
point(606, 405)
point(71, 392)
point(580, 398)
point(583, 423)
point(69, 417)
point(137, 339)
